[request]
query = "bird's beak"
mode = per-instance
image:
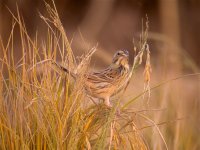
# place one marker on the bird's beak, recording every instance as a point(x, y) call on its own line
point(126, 55)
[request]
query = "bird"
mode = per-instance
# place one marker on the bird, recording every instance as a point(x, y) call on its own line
point(108, 82)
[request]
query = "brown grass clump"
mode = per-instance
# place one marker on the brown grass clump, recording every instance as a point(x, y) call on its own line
point(42, 109)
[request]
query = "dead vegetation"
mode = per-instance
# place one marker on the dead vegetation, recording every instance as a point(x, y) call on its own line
point(41, 108)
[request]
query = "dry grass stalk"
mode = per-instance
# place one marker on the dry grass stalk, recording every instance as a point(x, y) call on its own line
point(45, 111)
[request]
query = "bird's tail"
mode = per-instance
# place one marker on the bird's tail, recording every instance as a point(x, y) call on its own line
point(64, 69)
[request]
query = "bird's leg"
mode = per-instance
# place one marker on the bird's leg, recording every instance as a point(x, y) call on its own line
point(107, 102)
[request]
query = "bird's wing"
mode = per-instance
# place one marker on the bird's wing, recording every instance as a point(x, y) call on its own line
point(107, 75)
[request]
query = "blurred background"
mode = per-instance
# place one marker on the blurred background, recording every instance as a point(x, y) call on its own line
point(174, 37)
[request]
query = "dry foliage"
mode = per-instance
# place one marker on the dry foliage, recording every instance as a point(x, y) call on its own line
point(42, 109)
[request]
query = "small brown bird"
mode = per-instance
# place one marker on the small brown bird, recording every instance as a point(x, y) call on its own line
point(108, 82)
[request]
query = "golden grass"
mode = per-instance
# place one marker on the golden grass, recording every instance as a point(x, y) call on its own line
point(41, 109)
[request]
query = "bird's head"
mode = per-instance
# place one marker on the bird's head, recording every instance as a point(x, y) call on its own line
point(121, 58)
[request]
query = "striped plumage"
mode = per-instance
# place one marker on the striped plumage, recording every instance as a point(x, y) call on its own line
point(108, 82)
